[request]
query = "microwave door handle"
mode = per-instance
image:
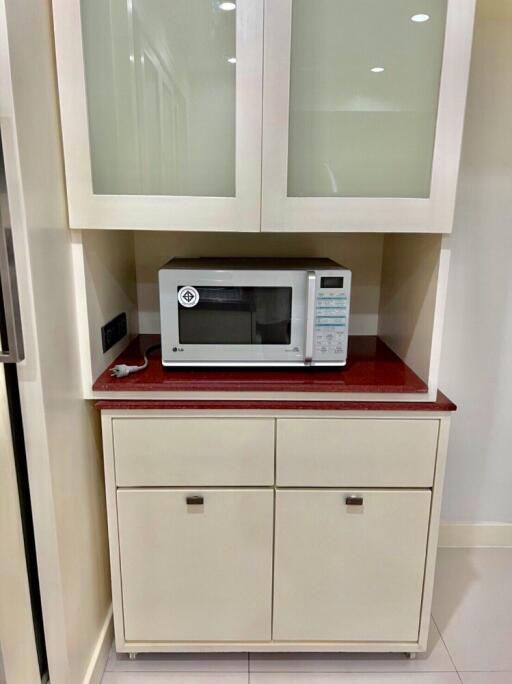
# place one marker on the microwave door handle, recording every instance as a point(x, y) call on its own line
point(310, 317)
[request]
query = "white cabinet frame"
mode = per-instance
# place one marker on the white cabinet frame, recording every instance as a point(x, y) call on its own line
point(161, 212)
point(352, 214)
point(125, 646)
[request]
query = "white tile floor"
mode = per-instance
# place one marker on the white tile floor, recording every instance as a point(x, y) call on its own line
point(470, 642)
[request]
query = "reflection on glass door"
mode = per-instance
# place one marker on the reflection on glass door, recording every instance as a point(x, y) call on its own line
point(364, 87)
point(161, 88)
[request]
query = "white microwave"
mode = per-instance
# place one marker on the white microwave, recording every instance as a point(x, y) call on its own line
point(254, 312)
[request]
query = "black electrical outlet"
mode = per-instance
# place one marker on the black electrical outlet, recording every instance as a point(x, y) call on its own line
point(113, 331)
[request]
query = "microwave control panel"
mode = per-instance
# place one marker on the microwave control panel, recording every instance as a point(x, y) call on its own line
point(331, 319)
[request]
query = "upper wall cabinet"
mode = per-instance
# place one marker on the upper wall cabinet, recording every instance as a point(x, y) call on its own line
point(363, 113)
point(362, 100)
point(161, 112)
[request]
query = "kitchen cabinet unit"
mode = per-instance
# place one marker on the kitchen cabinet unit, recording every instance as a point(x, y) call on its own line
point(340, 115)
point(334, 553)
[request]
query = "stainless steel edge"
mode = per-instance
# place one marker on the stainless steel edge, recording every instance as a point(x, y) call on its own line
point(14, 337)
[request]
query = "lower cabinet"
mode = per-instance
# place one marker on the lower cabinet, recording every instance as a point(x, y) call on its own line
point(349, 565)
point(248, 533)
point(196, 565)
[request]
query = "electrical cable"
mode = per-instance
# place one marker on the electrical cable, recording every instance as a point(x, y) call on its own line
point(122, 370)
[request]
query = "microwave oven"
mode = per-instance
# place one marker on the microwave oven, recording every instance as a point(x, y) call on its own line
point(254, 312)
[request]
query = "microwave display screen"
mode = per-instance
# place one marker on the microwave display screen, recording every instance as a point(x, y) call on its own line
point(331, 281)
point(237, 315)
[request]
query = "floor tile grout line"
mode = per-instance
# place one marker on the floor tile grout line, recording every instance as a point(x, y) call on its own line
point(171, 672)
point(359, 672)
point(446, 647)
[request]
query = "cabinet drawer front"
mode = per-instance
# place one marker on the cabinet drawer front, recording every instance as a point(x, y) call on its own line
point(196, 571)
point(349, 572)
point(356, 452)
point(193, 452)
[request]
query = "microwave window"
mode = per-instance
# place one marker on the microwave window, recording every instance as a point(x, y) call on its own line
point(237, 315)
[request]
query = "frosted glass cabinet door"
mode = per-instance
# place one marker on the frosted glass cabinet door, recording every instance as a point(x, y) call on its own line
point(161, 112)
point(363, 113)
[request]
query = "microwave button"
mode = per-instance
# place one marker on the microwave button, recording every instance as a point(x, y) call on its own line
point(331, 304)
point(335, 325)
point(331, 321)
point(331, 311)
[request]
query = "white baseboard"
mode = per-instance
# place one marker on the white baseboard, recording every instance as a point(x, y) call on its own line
point(486, 534)
point(100, 652)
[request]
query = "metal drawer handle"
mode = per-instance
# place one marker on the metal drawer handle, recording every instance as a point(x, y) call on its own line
point(354, 500)
point(195, 500)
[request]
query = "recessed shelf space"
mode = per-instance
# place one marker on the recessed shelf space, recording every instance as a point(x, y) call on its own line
point(371, 367)
point(397, 301)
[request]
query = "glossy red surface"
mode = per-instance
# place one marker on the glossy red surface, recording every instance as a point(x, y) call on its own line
point(442, 403)
point(371, 367)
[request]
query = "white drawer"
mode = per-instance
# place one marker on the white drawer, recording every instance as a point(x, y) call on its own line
point(193, 452)
point(348, 452)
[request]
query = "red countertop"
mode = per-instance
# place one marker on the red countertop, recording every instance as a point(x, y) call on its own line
point(371, 367)
point(442, 403)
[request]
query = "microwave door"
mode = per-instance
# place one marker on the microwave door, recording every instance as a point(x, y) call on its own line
point(248, 315)
point(234, 318)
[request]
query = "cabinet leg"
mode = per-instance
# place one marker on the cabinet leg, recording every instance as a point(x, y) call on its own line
point(132, 656)
point(410, 656)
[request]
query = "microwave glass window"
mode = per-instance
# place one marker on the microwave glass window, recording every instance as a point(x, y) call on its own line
point(237, 315)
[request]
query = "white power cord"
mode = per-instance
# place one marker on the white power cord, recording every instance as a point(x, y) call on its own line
point(122, 370)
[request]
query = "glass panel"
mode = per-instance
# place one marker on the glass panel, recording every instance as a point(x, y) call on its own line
point(238, 315)
point(160, 77)
point(363, 97)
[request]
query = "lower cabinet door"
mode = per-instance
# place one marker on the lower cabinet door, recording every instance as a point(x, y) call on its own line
point(349, 565)
point(196, 565)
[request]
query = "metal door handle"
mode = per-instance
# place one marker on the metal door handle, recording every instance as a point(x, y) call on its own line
point(195, 500)
point(354, 500)
point(310, 317)
point(12, 338)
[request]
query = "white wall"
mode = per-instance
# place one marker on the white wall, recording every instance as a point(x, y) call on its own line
point(476, 369)
point(361, 253)
point(108, 282)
